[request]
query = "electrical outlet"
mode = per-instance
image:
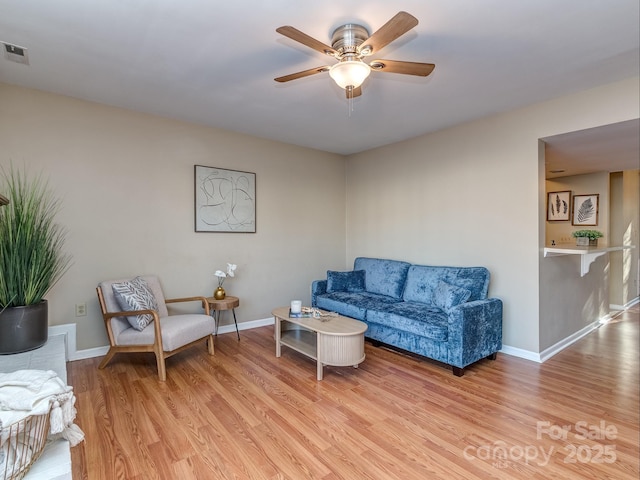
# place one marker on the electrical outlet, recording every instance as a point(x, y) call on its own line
point(81, 309)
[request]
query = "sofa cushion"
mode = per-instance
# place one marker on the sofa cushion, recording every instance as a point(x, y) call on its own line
point(353, 281)
point(341, 302)
point(422, 280)
point(385, 277)
point(353, 304)
point(447, 296)
point(135, 295)
point(416, 318)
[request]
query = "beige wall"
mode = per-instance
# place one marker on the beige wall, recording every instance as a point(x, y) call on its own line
point(469, 195)
point(127, 183)
point(631, 236)
point(624, 225)
point(474, 195)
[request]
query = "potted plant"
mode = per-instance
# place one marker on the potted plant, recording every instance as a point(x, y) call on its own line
point(31, 259)
point(587, 237)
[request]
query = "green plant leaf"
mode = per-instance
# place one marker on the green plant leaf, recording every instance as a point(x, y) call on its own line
point(32, 259)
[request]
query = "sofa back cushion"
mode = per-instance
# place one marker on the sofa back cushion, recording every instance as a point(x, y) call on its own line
point(447, 296)
point(353, 281)
point(422, 280)
point(385, 277)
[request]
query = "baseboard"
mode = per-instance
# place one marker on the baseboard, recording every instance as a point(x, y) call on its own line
point(90, 353)
point(554, 349)
point(571, 339)
point(521, 353)
point(547, 353)
point(626, 306)
point(69, 332)
point(246, 325)
point(72, 353)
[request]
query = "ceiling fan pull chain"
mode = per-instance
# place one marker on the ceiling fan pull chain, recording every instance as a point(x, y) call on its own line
point(349, 90)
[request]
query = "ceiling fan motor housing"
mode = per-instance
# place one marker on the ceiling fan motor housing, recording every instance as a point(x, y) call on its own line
point(347, 38)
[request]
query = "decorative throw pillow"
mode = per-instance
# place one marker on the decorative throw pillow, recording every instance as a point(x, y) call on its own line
point(136, 295)
point(352, 281)
point(447, 296)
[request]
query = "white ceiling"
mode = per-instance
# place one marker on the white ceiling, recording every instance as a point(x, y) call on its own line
point(213, 62)
point(609, 148)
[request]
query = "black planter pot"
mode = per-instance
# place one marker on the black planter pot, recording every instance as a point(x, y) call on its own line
point(24, 328)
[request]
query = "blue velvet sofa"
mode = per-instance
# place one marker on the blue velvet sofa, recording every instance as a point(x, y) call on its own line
point(438, 312)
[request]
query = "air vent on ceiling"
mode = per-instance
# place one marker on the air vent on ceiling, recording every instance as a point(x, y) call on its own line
point(14, 53)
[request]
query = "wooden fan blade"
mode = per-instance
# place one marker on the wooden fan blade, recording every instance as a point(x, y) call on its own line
point(400, 24)
point(303, 38)
point(304, 73)
point(406, 68)
point(353, 92)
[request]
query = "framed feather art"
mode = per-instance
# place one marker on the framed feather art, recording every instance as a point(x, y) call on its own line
point(558, 206)
point(585, 209)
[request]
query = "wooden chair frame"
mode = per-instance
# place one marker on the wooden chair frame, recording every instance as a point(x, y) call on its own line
point(156, 347)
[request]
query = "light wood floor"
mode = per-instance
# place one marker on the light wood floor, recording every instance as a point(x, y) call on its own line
point(245, 414)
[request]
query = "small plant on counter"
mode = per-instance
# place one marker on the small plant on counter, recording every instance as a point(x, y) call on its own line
point(590, 234)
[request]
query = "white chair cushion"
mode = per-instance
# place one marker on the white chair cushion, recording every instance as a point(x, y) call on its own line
point(177, 331)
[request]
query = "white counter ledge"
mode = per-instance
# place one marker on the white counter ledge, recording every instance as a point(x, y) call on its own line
point(587, 254)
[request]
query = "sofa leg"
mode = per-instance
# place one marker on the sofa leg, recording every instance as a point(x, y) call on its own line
point(457, 371)
point(493, 356)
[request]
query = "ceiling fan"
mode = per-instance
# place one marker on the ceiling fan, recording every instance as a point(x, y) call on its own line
point(350, 44)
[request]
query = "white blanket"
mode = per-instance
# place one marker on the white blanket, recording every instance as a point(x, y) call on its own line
point(34, 392)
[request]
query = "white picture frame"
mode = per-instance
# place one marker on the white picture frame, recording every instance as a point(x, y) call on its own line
point(225, 200)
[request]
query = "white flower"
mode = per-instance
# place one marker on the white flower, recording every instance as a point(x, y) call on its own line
point(231, 269)
point(231, 272)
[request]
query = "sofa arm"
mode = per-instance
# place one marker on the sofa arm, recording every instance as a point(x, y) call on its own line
point(475, 331)
point(318, 287)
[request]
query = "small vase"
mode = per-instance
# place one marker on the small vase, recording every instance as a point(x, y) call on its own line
point(219, 293)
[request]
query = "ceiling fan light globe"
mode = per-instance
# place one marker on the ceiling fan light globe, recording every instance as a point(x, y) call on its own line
point(349, 73)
